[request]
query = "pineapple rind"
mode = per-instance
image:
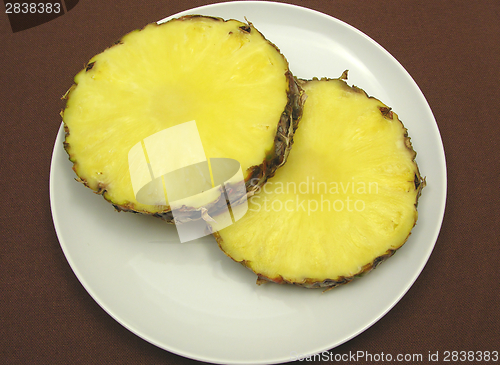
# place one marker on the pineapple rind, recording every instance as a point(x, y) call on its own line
point(279, 135)
point(281, 276)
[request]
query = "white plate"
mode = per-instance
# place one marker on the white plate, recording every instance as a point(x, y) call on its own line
point(191, 299)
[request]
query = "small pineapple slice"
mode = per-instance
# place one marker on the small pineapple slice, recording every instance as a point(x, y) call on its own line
point(224, 75)
point(345, 200)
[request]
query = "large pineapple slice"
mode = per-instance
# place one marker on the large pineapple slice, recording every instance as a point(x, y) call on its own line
point(224, 75)
point(345, 200)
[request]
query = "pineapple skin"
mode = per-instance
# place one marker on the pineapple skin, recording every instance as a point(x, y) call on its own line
point(311, 283)
point(255, 176)
point(330, 283)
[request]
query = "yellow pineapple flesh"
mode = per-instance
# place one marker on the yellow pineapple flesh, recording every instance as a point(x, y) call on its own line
point(345, 200)
point(224, 75)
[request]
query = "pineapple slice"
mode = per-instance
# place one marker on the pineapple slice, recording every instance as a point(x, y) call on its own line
point(224, 75)
point(345, 200)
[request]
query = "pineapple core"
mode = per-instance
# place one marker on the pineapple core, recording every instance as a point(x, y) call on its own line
point(224, 75)
point(345, 199)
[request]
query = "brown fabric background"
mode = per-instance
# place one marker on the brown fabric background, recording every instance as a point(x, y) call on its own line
point(452, 50)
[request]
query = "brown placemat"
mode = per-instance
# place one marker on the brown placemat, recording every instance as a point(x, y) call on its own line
point(451, 49)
